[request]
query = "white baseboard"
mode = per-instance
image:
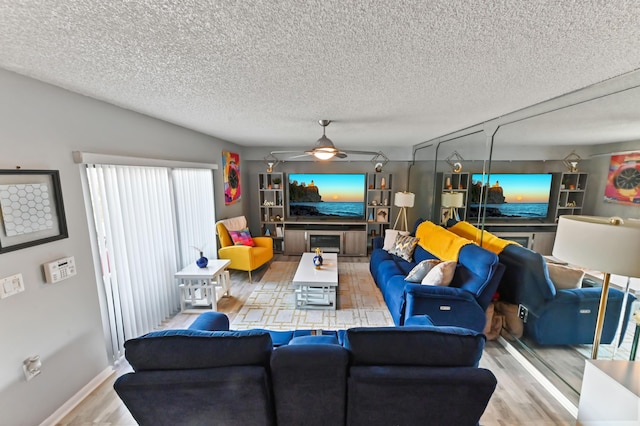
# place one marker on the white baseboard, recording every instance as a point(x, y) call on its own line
point(544, 382)
point(76, 399)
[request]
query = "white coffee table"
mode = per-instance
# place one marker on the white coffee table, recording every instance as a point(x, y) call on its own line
point(204, 286)
point(316, 288)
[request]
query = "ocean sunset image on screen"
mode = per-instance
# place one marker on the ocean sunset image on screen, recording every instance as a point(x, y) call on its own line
point(513, 195)
point(326, 195)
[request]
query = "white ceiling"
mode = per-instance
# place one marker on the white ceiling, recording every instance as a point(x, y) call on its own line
point(261, 73)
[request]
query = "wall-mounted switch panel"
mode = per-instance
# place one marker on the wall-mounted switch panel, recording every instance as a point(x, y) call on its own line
point(60, 269)
point(11, 285)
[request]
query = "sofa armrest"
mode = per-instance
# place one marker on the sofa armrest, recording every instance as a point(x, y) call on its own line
point(445, 306)
point(378, 242)
point(263, 241)
point(211, 321)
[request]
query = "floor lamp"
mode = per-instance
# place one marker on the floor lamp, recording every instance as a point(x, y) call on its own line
point(607, 245)
point(452, 201)
point(405, 201)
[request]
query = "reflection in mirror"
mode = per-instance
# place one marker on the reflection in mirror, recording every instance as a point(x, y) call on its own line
point(550, 307)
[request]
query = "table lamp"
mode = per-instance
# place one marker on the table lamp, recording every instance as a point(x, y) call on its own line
point(452, 201)
point(607, 245)
point(404, 200)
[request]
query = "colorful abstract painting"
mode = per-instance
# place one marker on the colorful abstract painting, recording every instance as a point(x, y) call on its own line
point(231, 177)
point(623, 183)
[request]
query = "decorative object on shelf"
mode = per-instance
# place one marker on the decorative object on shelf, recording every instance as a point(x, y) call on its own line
point(385, 202)
point(276, 182)
point(370, 218)
point(571, 162)
point(451, 201)
point(382, 215)
point(455, 161)
point(608, 245)
point(317, 259)
point(267, 232)
point(404, 200)
point(383, 183)
point(231, 177)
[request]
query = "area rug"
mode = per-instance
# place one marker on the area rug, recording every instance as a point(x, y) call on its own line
point(272, 304)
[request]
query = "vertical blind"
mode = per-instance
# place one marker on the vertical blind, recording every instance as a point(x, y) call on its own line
point(140, 238)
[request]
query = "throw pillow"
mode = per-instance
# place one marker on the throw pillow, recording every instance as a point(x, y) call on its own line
point(390, 238)
point(242, 238)
point(441, 274)
point(404, 247)
point(421, 270)
point(565, 277)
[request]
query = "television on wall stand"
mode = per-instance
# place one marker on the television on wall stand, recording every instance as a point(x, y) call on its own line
point(511, 197)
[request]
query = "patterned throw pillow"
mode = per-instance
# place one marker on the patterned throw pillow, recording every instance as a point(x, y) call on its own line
point(242, 238)
point(421, 270)
point(441, 274)
point(390, 238)
point(404, 247)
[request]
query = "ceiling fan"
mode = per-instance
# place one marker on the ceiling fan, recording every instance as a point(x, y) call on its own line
point(324, 149)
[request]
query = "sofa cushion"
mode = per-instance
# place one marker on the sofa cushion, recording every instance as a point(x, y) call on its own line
point(441, 274)
point(190, 349)
point(419, 345)
point(404, 247)
point(565, 277)
point(390, 238)
point(421, 270)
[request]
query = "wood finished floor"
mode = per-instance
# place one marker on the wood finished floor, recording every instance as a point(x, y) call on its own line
point(518, 399)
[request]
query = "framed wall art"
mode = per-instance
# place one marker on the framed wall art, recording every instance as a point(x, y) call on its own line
point(623, 181)
point(31, 209)
point(231, 177)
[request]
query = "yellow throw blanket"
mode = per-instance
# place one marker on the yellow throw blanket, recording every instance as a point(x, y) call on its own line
point(438, 241)
point(489, 241)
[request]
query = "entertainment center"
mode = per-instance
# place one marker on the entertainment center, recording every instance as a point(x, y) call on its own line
point(335, 212)
point(523, 207)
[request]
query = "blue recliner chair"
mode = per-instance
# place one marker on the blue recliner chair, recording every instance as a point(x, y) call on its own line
point(556, 317)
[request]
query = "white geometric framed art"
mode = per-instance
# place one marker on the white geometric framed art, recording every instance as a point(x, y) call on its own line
point(31, 208)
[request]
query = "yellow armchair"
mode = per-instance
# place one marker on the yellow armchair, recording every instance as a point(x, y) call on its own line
point(243, 258)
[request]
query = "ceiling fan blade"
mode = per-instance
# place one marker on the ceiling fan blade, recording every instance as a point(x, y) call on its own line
point(348, 151)
point(306, 154)
point(341, 155)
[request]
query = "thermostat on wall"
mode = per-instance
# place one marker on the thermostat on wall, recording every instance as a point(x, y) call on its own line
point(60, 269)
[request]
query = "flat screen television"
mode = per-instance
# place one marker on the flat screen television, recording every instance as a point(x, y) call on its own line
point(523, 196)
point(327, 195)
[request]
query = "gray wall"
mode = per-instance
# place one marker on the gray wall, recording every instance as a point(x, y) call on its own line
point(40, 125)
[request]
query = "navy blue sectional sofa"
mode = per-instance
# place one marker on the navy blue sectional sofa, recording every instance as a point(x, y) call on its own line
point(422, 375)
point(463, 303)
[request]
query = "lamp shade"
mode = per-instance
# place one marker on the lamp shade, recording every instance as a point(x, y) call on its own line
point(603, 244)
point(404, 199)
point(452, 199)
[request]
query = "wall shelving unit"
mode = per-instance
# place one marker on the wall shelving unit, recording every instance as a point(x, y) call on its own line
point(271, 201)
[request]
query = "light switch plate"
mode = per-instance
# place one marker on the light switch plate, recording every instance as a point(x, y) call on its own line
point(11, 285)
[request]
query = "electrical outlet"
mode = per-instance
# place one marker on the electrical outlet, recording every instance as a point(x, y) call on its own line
point(11, 285)
point(523, 312)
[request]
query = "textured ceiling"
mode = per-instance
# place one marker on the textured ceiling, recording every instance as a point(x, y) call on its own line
point(261, 73)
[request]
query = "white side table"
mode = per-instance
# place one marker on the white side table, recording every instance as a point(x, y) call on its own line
point(610, 393)
point(204, 286)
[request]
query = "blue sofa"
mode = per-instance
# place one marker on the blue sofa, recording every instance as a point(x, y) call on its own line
point(551, 317)
point(557, 317)
point(463, 303)
point(421, 375)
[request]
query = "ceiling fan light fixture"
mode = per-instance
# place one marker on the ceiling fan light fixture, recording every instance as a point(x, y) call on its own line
point(324, 153)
